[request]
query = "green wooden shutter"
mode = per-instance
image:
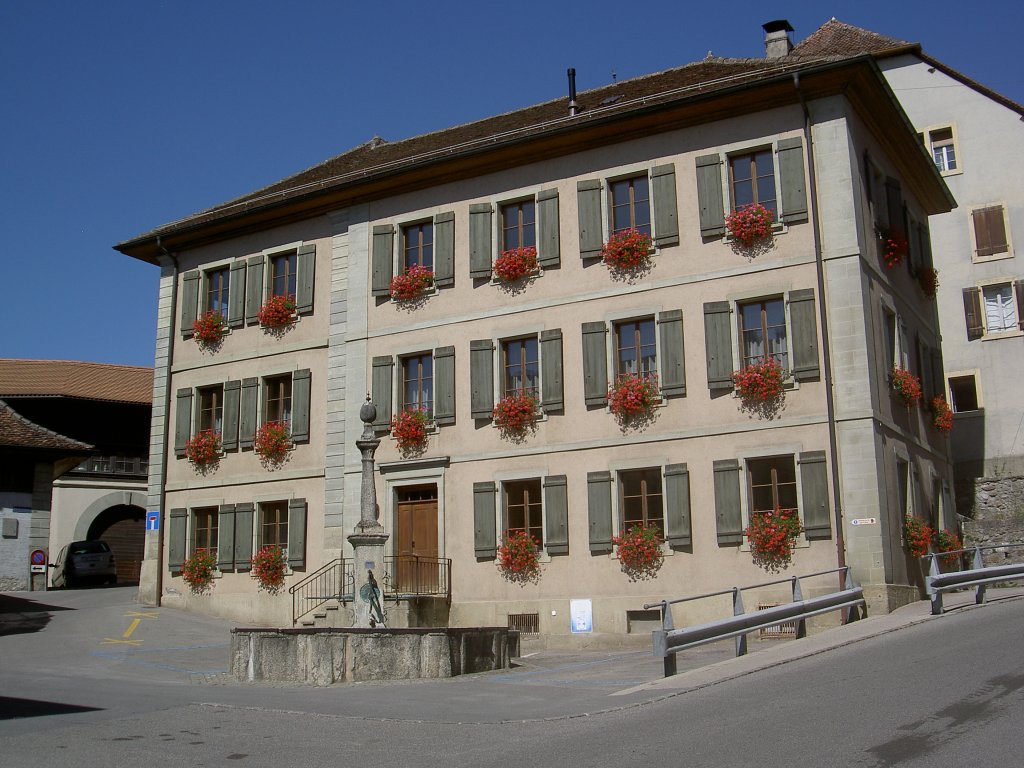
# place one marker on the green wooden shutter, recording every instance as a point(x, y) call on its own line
point(551, 389)
point(247, 413)
point(678, 531)
point(232, 398)
point(791, 180)
point(894, 204)
point(666, 211)
point(481, 378)
point(444, 385)
point(243, 536)
point(236, 294)
point(481, 249)
point(444, 249)
point(599, 510)
point(305, 266)
point(938, 375)
point(709, 196)
point(300, 405)
point(182, 421)
point(253, 289)
point(383, 260)
point(814, 484)
point(972, 313)
point(728, 514)
point(923, 368)
point(177, 539)
point(804, 322)
point(549, 249)
point(381, 388)
point(484, 535)
point(673, 371)
point(718, 344)
point(226, 536)
point(297, 533)
point(595, 364)
point(914, 246)
point(556, 514)
point(189, 301)
point(588, 201)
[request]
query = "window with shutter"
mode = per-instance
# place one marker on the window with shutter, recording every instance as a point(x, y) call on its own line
point(989, 225)
point(444, 385)
point(556, 514)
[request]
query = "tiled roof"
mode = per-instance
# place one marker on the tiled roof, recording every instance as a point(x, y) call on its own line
point(18, 432)
point(66, 378)
point(836, 39)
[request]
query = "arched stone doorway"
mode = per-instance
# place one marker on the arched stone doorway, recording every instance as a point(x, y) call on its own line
point(123, 527)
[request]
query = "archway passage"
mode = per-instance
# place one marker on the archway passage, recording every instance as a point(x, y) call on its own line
point(124, 528)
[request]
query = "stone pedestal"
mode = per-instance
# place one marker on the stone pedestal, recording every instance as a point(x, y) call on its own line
point(368, 556)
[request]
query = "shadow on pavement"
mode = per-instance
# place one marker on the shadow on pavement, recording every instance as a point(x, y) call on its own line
point(11, 709)
point(19, 614)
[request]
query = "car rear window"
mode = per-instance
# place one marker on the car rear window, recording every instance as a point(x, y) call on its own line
point(89, 547)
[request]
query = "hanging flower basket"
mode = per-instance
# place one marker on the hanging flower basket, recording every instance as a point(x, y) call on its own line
point(760, 382)
point(515, 413)
point(893, 245)
point(639, 550)
point(409, 428)
point(515, 264)
point(518, 560)
point(906, 386)
point(203, 449)
point(277, 312)
point(917, 535)
point(268, 567)
point(208, 328)
point(411, 284)
point(942, 415)
point(928, 279)
point(633, 397)
point(772, 535)
point(946, 541)
point(198, 570)
point(273, 440)
point(627, 252)
point(750, 225)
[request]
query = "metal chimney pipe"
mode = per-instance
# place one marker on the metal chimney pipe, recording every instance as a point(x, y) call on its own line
point(573, 106)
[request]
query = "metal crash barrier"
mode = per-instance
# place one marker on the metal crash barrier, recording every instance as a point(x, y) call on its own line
point(668, 640)
point(978, 575)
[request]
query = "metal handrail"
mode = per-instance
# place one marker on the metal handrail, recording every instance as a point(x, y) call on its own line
point(978, 575)
point(411, 576)
point(326, 583)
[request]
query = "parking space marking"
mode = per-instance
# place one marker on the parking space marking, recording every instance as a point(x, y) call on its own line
point(125, 639)
point(143, 614)
point(119, 641)
point(131, 628)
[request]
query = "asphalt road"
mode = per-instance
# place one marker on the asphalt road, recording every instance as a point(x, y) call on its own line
point(90, 679)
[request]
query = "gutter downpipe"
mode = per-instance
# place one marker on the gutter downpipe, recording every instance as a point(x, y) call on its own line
point(167, 411)
point(830, 405)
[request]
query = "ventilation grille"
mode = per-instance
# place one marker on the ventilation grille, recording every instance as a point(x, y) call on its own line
point(783, 630)
point(524, 623)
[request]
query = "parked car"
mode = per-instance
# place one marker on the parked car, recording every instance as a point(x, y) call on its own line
point(81, 562)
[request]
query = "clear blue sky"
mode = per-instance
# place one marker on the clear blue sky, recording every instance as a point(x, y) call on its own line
point(121, 115)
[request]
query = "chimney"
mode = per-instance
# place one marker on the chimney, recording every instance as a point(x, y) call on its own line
point(573, 106)
point(776, 39)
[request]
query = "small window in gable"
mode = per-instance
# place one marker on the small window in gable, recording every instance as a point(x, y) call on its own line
point(943, 149)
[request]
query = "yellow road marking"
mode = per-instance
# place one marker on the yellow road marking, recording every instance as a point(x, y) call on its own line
point(131, 628)
point(143, 614)
point(115, 641)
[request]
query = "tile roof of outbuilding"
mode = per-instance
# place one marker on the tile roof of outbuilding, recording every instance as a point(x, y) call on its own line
point(18, 432)
point(74, 379)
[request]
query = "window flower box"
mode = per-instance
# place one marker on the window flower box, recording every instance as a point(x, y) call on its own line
point(942, 415)
point(632, 397)
point(750, 225)
point(928, 279)
point(204, 449)
point(277, 312)
point(515, 264)
point(518, 558)
point(906, 386)
point(893, 246)
point(917, 535)
point(209, 328)
point(198, 571)
point(760, 382)
point(946, 541)
point(411, 284)
point(409, 428)
point(640, 553)
point(268, 568)
point(627, 252)
point(515, 414)
point(273, 440)
point(773, 535)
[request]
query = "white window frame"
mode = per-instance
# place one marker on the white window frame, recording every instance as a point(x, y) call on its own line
point(498, 369)
point(988, 335)
point(735, 300)
point(926, 135)
point(1008, 254)
point(512, 476)
point(730, 151)
point(621, 173)
point(497, 221)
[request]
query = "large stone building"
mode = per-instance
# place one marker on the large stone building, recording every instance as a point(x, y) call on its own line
point(818, 140)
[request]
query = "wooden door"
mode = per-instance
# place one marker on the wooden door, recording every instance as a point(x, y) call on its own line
point(416, 567)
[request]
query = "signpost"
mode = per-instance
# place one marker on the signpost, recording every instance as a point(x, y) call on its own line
point(38, 561)
point(152, 521)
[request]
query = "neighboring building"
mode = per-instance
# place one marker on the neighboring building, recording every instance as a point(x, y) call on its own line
point(78, 462)
point(670, 154)
point(974, 136)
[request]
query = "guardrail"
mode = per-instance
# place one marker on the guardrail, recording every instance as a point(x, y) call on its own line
point(668, 640)
point(334, 581)
point(978, 575)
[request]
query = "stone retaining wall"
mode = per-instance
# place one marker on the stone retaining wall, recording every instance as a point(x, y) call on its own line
point(998, 518)
point(322, 656)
